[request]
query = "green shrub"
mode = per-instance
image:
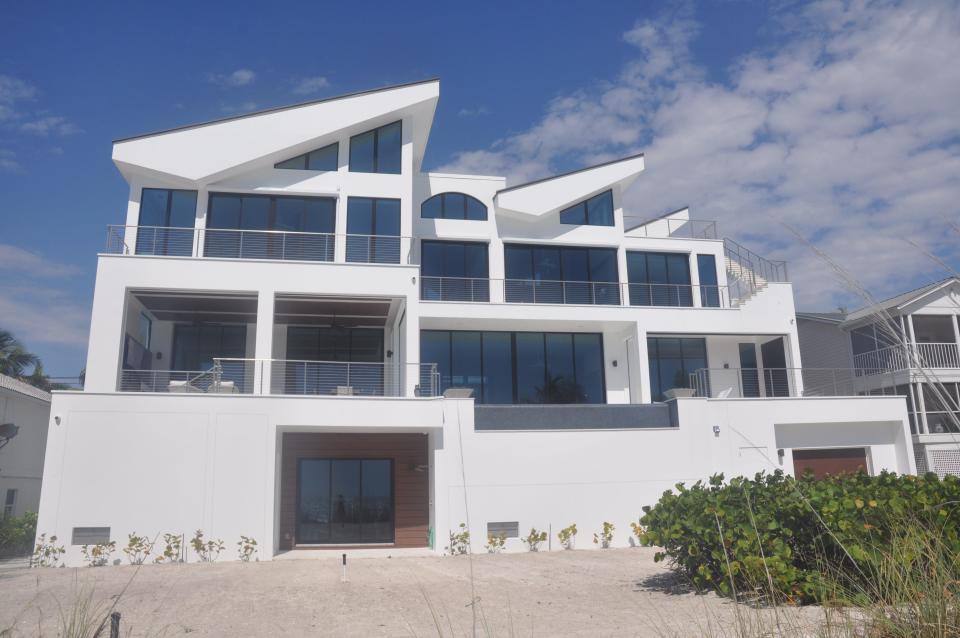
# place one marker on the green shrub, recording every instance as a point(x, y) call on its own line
point(534, 539)
point(459, 541)
point(17, 534)
point(568, 536)
point(799, 540)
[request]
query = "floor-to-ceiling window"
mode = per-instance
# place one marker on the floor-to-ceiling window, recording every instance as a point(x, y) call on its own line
point(321, 360)
point(518, 367)
point(373, 230)
point(343, 501)
point(166, 222)
point(659, 279)
point(707, 272)
point(270, 227)
point(454, 271)
point(195, 346)
point(561, 274)
point(672, 361)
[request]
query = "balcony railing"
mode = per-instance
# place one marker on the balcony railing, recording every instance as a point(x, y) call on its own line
point(679, 228)
point(900, 357)
point(537, 291)
point(291, 377)
point(281, 245)
point(783, 382)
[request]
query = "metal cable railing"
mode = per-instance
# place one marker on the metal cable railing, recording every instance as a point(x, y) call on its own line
point(784, 382)
point(676, 228)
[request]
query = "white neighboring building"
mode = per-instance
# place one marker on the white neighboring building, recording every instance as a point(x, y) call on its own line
point(908, 345)
point(284, 327)
point(21, 457)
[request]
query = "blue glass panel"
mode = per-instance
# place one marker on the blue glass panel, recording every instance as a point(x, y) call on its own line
point(454, 206)
point(298, 162)
point(497, 368)
point(707, 271)
point(465, 361)
point(588, 351)
point(531, 367)
point(362, 152)
point(475, 209)
point(324, 159)
point(435, 348)
point(313, 506)
point(376, 516)
point(183, 209)
point(389, 144)
point(561, 382)
point(576, 214)
point(432, 208)
point(600, 209)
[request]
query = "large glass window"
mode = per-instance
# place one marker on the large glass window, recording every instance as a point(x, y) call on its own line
point(345, 501)
point(454, 271)
point(672, 360)
point(373, 230)
point(561, 274)
point(518, 367)
point(196, 346)
point(659, 279)
point(166, 221)
point(596, 211)
point(318, 358)
point(307, 225)
point(709, 290)
point(377, 151)
point(453, 206)
point(322, 159)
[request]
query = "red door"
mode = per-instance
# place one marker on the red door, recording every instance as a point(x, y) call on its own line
point(829, 461)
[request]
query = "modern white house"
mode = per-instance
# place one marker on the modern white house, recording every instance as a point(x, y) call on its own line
point(24, 414)
point(299, 336)
point(909, 346)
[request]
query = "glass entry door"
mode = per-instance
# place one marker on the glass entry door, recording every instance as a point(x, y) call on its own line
point(344, 501)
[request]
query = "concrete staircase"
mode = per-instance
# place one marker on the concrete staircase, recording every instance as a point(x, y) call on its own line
point(749, 273)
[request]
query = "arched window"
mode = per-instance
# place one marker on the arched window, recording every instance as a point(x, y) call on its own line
point(453, 206)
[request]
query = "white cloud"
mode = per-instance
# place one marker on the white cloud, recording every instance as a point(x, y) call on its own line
point(849, 133)
point(240, 77)
point(476, 112)
point(50, 124)
point(306, 86)
point(35, 308)
point(12, 91)
point(8, 161)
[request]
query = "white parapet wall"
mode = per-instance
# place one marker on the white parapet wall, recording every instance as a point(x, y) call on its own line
point(550, 479)
point(154, 464)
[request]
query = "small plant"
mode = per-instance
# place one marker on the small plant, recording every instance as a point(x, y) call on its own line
point(208, 551)
point(638, 531)
point(459, 541)
point(171, 549)
point(605, 537)
point(17, 534)
point(495, 542)
point(47, 553)
point(246, 548)
point(568, 536)
point(137, 549)
point(98, 555)
point(534, 539)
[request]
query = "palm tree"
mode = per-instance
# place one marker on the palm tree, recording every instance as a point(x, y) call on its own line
point(14, 359)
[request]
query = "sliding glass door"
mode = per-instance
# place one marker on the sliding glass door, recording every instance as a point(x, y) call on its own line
point(345, 501)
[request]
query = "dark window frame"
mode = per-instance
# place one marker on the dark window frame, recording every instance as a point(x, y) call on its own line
point(585, 206)
point(166, 214)
point(653, 354)
point(306, 160)
point(272, 214)
point(660, 293)
point(331, 459)
point(376, 150)
point(562, 248)
point(513, 361)
point(443, 207)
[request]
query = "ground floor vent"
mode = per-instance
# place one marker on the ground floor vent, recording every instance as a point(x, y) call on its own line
point(945, 461)
point(509, 530)
point(90, 535)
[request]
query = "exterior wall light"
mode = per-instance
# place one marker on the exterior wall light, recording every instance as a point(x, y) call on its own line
point(716, 431)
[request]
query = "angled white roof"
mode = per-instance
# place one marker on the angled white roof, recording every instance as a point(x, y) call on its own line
point(553, 193)
point(902, 300)
point(210, 151)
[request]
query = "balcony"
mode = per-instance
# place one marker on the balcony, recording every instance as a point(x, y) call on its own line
point(667, 228)
point(289, 377)
point(602, 293)
point(256, 244)
point(723, 383)
point(900, 357)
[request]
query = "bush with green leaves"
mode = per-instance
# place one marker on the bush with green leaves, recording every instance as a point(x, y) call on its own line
point(246, 548)
point(496, 543)
point(206, 550)
point(47, 553)
point(568, 536)
point(172, 549)
point(99, 554)
point(17, 534)
point(534, 539)
point(459, 541)
point(604, 537)
point(792, 539)
point(137, 549)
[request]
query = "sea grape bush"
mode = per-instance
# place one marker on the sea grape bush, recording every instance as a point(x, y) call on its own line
point(780, 535)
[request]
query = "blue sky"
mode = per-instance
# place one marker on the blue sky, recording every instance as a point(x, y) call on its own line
point(838, 120)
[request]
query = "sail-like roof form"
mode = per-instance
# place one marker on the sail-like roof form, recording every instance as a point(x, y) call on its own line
point(212, 151)
point(553, 193)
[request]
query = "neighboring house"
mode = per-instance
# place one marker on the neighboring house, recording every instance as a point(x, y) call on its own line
point(287, 330)
point(908, 345)
point(21, 456)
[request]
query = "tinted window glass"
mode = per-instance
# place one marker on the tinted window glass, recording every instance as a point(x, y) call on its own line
point(531, 367)
point(360, 216)
point(518, 262)
point(660, 279)
point(596, 211)
point(672, 360)
point(707, 272)
point(298, 162)
point(324, 159)
point(153, 207)
point(497, 367)
point(377, 151)
point(453, 206)
point(435, 348)
point(167, 208)
point(561, 382)
point(588, 352)
point(183, 208)
point(466, 367)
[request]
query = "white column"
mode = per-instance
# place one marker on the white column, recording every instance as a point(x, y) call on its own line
point(694, 279)
point(640, 373)
point(200, 222)
point(263, 350)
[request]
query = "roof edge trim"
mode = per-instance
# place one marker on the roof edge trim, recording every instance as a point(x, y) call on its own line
point(568, 173)
point(274, 109)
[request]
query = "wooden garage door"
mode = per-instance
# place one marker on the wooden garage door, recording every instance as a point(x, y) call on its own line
point(829, 461)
